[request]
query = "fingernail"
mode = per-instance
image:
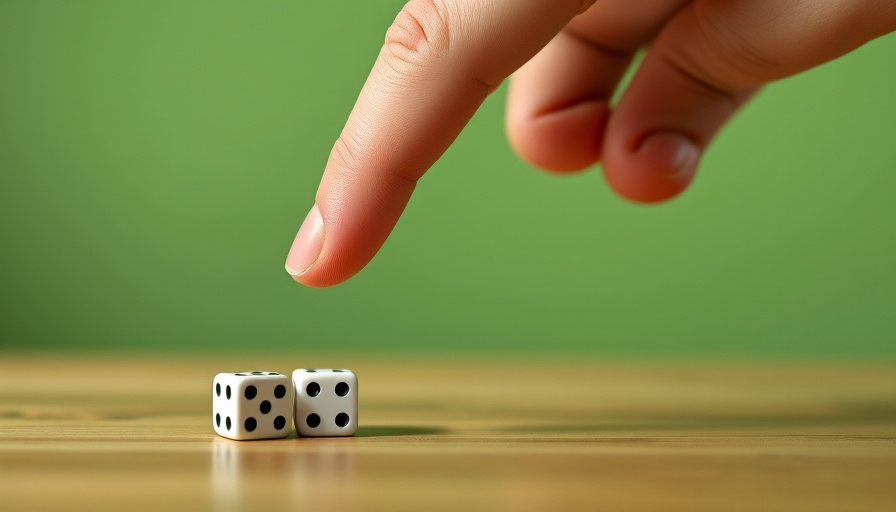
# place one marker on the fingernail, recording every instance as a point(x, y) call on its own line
point(307, 245)
point(682, 154)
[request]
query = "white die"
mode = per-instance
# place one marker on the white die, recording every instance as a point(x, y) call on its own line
point(252, 405)
point(326, 402)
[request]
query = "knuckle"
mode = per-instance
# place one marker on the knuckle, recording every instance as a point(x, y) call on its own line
point(735, 50)
point(345, 158)
point(419, 33)
point(586, 4)
point(348, 164)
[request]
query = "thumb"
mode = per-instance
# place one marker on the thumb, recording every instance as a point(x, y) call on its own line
point(440, 60)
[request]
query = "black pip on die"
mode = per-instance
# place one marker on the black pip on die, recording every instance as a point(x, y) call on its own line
point(252, 405)
point(326, 402)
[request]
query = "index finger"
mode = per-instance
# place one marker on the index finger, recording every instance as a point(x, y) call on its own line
point(440, 60)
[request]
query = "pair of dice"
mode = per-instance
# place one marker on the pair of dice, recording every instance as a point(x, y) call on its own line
point(263, 405)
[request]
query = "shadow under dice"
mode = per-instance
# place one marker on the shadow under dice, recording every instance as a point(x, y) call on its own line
point(252, 405)
point(326, 402)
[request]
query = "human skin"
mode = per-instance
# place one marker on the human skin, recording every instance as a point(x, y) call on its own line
point(441, 59)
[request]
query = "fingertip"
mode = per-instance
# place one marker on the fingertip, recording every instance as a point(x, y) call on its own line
point(307, 245)
point(562, 141)
point(310, 282)
point(660, 168)
point(320, 275)
point(303, 258)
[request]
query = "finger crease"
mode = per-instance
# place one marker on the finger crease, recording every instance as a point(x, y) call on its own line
point(612, 51)
point(702, 85)
point(566, 105)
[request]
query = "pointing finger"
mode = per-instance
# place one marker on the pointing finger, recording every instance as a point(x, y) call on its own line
point(440, 60)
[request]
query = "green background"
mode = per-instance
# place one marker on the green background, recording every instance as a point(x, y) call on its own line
point(156, 159)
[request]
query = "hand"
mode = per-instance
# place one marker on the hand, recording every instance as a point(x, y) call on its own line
point(442, 58)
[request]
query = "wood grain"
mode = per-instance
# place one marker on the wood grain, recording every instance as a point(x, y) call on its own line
point(134, 433)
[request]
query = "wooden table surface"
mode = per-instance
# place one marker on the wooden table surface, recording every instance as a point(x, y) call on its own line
point(134, 433)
